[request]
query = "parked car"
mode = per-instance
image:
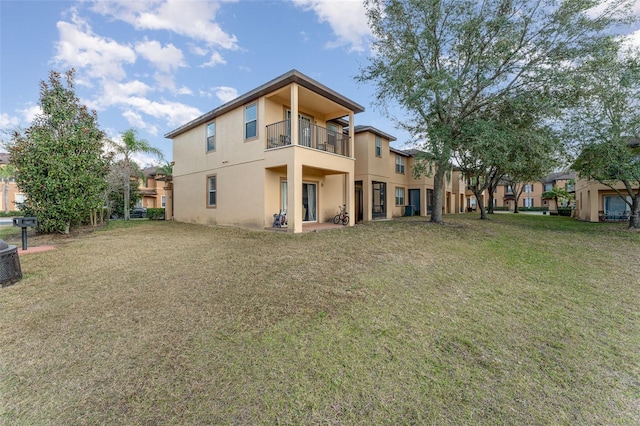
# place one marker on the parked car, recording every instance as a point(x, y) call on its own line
point(138, 212)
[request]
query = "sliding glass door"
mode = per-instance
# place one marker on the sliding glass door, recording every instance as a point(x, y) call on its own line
point(309, 200)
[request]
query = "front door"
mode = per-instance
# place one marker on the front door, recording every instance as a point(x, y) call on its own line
point(414, 200)
point(379, 208)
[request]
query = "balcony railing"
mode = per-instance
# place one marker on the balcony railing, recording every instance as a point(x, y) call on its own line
point(309, 135)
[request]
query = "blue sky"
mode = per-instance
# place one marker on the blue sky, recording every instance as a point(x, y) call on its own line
point(155, 65)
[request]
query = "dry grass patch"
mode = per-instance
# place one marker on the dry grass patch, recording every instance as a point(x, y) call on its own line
point(518, 320)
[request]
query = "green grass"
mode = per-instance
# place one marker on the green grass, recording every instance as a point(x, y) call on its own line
point(519, 320)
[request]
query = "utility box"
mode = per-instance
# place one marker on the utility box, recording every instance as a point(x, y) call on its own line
point(10, 271)
point(409, 210)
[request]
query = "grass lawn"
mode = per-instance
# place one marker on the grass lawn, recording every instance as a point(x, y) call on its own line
point(519, 320)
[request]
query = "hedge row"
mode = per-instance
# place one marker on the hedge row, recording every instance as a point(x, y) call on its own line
point(155, 214)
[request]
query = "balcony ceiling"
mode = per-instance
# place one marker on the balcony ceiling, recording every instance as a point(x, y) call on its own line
point(311, 102)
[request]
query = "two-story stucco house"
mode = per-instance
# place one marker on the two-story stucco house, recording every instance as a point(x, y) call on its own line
point(385, 185)
point(287, 145)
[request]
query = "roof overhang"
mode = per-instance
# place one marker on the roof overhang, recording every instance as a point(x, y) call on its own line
point(293, 76)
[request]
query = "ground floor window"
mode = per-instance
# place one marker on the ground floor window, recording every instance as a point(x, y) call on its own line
point(399, 196)
point(615, 204)
point(163, 201)
point(212, 190)
point(527, 202)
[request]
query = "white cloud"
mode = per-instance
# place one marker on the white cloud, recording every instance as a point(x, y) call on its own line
point(173, 113)
point(216, 58)
point(135, 120)
point(115, 93)
point(30, 112)
point(165, 58)
point(197, 50)
point(184, 90)
point(194, 19)
point(8, 122)
point(347, 19)
point(102, 57)
point(225, 94)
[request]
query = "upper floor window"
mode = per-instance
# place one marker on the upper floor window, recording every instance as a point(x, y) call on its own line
point(399, 164)
point(251, 121)
point(212, 190)
point(548, 187)
point(509, 189)
point(211, 137)
point(528, 187)
point(399, 196)
point(378, 146)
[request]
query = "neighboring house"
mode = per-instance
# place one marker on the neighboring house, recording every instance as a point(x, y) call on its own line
point(8, 186)
point(152, 188)
point(504, 197)
point(384, 184)
point(597, 202)
point(564, 180)
point(287, 145)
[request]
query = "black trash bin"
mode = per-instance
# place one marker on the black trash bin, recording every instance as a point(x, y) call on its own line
point(408, 211)
point(10, 271)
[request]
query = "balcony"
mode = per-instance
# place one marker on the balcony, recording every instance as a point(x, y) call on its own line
point(309, 135)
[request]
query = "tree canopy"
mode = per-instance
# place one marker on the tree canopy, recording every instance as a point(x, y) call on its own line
point(449, 64)
point(60, 161)
point(606, 125)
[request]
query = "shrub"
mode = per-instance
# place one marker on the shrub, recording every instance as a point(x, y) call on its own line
point(155, 214)
point(533, 209)
point(565, 211)
point(11, 213)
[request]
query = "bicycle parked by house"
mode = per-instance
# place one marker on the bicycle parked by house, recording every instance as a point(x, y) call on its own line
point(342, 216)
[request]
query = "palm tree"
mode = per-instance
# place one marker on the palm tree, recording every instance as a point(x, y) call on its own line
point(6, 173)
point(558, 194)
point(132, 145)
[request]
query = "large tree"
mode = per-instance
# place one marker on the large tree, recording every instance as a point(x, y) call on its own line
point(444, 62)
point(125, 151)
point(606, 125)
point(60, 160)
point(506, 141)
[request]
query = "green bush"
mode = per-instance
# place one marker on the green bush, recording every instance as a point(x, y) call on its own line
point(155, 214)
point(533, 209)
point(565, 211)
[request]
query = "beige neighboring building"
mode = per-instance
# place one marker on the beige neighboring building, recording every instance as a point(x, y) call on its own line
point(10, 188)
point(596, 202)
point(287, 145)
point(385, 186)
point(153, 189)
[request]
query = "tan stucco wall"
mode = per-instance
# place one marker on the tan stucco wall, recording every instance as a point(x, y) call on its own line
point(370, 168)
point(590, 198)
point(249, 175)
